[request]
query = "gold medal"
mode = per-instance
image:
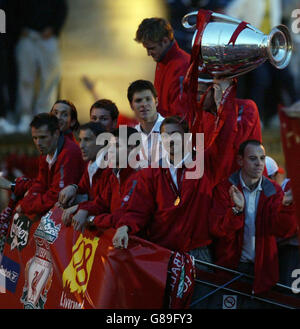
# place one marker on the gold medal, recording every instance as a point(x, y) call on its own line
point(177, 201)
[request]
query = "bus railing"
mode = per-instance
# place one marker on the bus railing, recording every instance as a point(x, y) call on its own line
point(238, 275)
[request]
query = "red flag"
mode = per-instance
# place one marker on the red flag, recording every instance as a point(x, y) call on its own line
point(290, 136)
point(48, 265)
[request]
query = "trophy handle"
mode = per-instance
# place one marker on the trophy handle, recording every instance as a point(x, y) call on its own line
point(185, 20)
point(279, 46)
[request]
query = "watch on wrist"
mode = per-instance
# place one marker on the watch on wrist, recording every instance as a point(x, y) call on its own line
point(91, 220)
point(75, 186)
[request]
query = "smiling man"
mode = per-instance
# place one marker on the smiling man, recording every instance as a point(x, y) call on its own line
point(66, 113)
point(157, 37)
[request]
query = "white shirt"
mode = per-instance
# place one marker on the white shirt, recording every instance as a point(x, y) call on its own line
point(151, 143)
point(251, 203)
point(173, 169)
point(51, 160)
point(92, 168)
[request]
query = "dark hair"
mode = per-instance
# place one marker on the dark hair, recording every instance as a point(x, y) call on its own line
point(247, 142)
point(47, 119)
point(140, 85)
point(177, 120)
point(96, 127)
point(73, 112)
point(154, 29)
point(129, 131)
point(108, 105)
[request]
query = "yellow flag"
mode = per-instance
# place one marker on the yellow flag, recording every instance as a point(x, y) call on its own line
point(77, 273)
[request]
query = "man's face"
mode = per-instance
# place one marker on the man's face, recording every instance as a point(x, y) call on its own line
point(103, 116)
point(173, 139)
point(87, 144)
point(44, 141)
point(253, 161)
point(63, 114)
point(144, 105)
point(156, 49)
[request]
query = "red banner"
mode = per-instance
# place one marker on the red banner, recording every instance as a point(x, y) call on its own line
point(290, 136)
point(48, 265)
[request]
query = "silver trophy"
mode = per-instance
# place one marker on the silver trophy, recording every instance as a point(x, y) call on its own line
point(251, 48)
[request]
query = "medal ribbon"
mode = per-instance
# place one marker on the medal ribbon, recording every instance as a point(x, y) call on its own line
point(177, 191)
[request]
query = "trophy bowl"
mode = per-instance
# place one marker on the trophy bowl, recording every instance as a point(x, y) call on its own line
point(225, 59)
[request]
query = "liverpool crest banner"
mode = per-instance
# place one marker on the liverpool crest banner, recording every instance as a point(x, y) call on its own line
point(48, 265)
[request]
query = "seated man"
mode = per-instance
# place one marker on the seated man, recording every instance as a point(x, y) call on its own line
point(60, 164)
point(249, 211)
point(105, 112)
point(114, 187)
point(88, 183)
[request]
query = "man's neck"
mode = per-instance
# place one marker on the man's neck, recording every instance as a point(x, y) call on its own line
point(177, 160)
point(148, 126)
point(166, 50)
point(51, 155)
point(251, 183)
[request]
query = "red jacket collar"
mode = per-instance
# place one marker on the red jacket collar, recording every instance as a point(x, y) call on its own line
point(124, 173)
point(267, 186)
point(171, 53)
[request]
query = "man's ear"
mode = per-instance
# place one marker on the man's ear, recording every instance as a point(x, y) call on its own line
point(114, 123)
point(156, 101)
point(239, 160)
point(56, 133)
point(73, 123)
point(166, 41)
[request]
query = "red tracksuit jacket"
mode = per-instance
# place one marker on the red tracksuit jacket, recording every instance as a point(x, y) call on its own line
point(272, 220)
point(151, 209)
point(248, 127)
point(113, 194)
point(168, 82)
point(84, 186)
point(69, 134)
point(43, 191)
